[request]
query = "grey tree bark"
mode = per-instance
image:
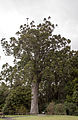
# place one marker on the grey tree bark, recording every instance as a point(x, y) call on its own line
point(34, 98)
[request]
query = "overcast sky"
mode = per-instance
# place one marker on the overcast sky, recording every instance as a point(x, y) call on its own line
point(13, 13)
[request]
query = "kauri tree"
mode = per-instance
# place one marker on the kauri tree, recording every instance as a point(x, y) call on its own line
point(34, 49)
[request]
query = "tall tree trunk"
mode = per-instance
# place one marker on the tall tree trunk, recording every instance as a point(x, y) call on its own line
point(34, 98)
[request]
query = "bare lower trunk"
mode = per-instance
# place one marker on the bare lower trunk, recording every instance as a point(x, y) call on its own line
point(34, 98)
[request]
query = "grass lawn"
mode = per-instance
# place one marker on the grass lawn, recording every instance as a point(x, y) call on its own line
point(54, 117)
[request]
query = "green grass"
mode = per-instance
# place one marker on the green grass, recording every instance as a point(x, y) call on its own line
point(54, 117)
point(1, 119)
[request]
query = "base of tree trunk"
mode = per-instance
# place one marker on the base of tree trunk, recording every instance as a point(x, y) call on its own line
point(34, 98)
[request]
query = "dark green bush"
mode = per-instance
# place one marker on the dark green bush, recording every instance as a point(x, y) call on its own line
point(71, 108)
point(21, 110)
point(18, 101)
point(76, 111)
point(4, 91)
point(75, 97)
point(68, 108)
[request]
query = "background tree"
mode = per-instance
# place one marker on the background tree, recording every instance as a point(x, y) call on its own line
point(72, 84)
point(18, 101)
point(55, 78)
point(4, 91)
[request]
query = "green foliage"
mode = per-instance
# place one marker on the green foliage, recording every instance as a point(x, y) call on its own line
point(6, 74)
point(71, 108)
point(45, 58)
point(72, 85)
point(4, 91)
point(68, 108)
point(75, 97)
point(51, 108)
point(60, 109)
point(21, 110)
point(56, 109)
point(37, 48)
point(17, 99)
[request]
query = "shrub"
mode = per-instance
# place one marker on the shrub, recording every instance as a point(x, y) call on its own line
point(76, 111)
point(56, 109)
point(21, 110)
point(50, 108)
point(18, 100)
point(4, 91)
point(8, 109)
point(59, 109)
point(71, 108)
point(75, 97)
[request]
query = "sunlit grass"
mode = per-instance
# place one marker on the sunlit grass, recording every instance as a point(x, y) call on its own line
point(47, 118)
point(1, 119)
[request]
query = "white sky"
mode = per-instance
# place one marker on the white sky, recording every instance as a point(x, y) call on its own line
point(13, 13)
